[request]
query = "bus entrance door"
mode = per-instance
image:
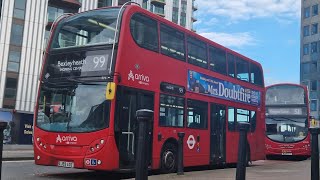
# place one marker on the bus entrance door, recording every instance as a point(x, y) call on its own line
point(126, 125)
point(217, 134)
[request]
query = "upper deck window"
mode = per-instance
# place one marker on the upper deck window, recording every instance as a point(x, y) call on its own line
point(256, 75)
point(172, 42)
point(217, 60)
point(285, 94)
point(242, 70)
point(89, 28)
point(231, 66)
point(197, 52)
point(144, 31)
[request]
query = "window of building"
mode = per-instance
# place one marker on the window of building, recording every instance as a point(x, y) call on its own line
point(307, 68)
point(242, 69)
point(315, 10)
point(314, 28)
point(104, 3)
point(314, 85)
point(306, 12)
point(184, 6)
point(145, 4)
point(197, 116)
point(217, 60)
point(16, 34)
point(14, 61)
point(313, 105)
point(183, 20)
point(11, 88)
point(158, 9)
point(197, 52)
point(231, 65)
point(121, 2)
point(256, 76)
point(314, 47)
point(305, 83)
point(305, 49)
point(19, 9)
point(0, 7)
point(171, 111)
point(176, 3)
point(175, 16)
point(172, 42)
point(144, 31)
point(53, 13)
point(306, 30)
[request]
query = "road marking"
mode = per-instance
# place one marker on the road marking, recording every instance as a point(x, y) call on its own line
point(21, 161)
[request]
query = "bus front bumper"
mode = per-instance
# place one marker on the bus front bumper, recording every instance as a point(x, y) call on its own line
point(94, 157)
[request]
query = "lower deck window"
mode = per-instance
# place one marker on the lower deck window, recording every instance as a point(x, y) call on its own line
point(171, 111)
point(241, 115)
point(197, 114)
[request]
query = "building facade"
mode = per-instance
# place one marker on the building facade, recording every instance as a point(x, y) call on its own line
point(310, 52)
point(24, 31)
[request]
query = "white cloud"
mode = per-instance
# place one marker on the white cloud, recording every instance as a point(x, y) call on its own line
point(247, 9)
point(236, 40)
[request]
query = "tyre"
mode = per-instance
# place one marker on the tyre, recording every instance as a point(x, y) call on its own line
point(248, 159)
point(169, 158)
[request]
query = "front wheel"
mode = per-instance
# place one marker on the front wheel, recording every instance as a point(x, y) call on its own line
point(169, 158)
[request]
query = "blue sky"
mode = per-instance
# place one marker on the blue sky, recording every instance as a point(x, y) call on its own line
point(267, 31)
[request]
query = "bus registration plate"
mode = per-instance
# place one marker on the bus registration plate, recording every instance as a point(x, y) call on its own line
point(65, 164)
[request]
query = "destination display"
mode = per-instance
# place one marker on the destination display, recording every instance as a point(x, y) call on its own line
point(84, 63)
point(286, 111)
point(204, 84)
point(172, 88)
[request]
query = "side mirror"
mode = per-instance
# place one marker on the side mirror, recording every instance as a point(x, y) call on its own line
point(110, 90)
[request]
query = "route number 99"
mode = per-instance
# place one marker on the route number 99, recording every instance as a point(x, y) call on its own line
point(99, 61)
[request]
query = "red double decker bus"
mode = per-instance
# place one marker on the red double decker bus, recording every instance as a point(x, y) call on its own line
point(287, 121)
point(103, 65)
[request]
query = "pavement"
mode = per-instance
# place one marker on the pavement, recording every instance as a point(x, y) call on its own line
point(260, 170)
point(14, 152)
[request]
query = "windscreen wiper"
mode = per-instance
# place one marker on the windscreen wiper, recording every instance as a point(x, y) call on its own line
point(73, 79)
point(291, 120)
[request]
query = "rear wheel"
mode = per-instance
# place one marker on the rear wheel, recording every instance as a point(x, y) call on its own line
point(169, 158)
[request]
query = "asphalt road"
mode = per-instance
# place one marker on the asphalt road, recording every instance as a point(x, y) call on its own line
point(27, 170)
point(263, 170)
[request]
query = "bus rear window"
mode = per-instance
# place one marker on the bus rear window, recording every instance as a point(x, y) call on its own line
point(89, 28)
point(256, 75)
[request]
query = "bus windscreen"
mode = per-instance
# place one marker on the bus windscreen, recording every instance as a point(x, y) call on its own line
point(279, 95)
point(85, 29)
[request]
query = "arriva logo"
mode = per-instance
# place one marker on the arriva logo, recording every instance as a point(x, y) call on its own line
point(67, 139)
point(141, 78)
